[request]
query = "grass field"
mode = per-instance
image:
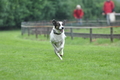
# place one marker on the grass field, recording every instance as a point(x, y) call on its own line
point(27, 58)
point(116, 30)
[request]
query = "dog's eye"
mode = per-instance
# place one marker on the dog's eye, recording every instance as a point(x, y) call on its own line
point(58, 24)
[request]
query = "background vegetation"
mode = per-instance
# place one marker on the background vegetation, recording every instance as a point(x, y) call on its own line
point(13, 12)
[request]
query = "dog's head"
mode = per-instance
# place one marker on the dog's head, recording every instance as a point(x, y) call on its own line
point(58, 25)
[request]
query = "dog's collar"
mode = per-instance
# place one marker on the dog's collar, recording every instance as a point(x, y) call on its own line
point(56, 32)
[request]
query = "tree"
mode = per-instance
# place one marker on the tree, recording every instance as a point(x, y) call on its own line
point(13, 12)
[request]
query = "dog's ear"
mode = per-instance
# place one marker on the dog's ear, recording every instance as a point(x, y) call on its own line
point(64, 22)
point(54, 22)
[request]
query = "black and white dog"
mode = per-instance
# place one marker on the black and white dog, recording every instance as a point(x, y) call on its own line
point(57, 37)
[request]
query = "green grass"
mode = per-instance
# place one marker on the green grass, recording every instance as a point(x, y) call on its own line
point(27, 58)
point(116, 30)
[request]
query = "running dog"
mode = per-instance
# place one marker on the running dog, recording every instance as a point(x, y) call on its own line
point(57, 37)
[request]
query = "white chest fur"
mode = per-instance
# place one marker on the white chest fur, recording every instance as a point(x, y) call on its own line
point(57, 38)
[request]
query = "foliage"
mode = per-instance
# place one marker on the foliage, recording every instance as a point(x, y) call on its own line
point(13, 12)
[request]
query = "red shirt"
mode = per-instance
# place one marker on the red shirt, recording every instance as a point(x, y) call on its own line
point(78, 13)
point(108, 7)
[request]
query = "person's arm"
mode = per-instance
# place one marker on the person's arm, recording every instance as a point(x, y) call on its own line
point(113, 6)
point(103, 12)
point(74, 14)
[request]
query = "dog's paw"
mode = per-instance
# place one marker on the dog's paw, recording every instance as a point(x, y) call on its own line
point(61, 55)
point(61, 58)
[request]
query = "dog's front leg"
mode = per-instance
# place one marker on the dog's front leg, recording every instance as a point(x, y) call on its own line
point(61, 48)
point(56, 51)
point(61, 53)
point(55, 47)
point(58, 55)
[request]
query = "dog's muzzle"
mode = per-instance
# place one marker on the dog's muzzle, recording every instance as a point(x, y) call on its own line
point(61, 30)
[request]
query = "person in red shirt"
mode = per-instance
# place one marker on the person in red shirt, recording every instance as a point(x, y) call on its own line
point(108, 7)
point(78, 14)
